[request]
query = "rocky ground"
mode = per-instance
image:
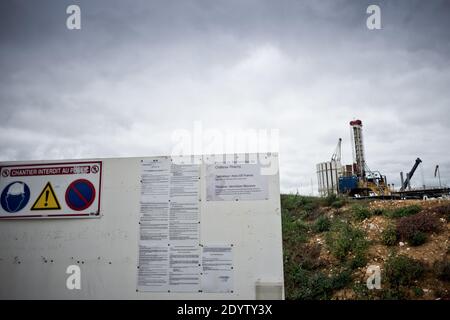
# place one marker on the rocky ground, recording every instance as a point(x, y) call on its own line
point(330, 243)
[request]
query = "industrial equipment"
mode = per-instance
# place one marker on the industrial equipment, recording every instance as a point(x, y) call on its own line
point(358, 147)
point(337, 153)
point(409, 176)
point(328, 173)
point(364, 182)
point(355, 179)
point(438, 173)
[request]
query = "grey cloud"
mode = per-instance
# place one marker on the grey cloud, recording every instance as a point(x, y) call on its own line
point(138, 70)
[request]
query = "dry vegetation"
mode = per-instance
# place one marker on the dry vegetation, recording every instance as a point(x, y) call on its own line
point(329, 243)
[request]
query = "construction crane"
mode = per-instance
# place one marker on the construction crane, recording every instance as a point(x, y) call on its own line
point(337, 153)
point(410, 175)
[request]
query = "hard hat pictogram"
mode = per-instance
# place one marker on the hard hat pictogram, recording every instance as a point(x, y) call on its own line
point(15, 196)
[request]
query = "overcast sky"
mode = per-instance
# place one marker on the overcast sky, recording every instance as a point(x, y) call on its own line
point(138, 71)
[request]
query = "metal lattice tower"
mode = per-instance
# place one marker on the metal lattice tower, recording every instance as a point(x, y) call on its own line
point(358, 147)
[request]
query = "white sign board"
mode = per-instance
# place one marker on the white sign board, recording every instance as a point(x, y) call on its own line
point(158, 238)
point(49, 190)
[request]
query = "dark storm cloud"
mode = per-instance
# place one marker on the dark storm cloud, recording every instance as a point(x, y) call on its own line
point(138, 70)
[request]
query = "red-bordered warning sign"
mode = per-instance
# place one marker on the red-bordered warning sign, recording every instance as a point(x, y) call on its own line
point(80, 194)
point(49, 190)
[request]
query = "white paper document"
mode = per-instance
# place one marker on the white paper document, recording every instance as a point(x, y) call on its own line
point(233, 182)
point(184, 221)
point(169, 225)
point(155, 179)
point(184, 268)
point(169, 268)
point(153, 268)
point(217, 266)
point(154, 221)
point(184, 182)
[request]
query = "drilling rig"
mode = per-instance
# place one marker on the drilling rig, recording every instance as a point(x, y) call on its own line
point(357, 179)
point(369, 182)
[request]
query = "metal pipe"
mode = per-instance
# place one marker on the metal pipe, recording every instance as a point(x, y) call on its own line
point(401, 179)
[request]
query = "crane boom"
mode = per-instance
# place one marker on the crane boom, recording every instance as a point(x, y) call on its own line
point(410, 174)
point(337, 153)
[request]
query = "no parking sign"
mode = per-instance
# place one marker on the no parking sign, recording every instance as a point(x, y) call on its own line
point(48, 190)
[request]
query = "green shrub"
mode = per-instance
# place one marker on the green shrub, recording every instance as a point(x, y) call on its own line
point(335, 201)
point(307, 208)
point(385, 293)
point(343, 239)
point(361, 291)
point(418, 239)
point(402, 270)
point(300, 275)
point(307, 285)
point(294, 230)
point(308, 256)
point(360, 212)
point(442, 269)
point(418, 292)
point(392, 294)
point(328, 201)
point(389, 236)
point(310, 206)
point(289, 201)
point(403, 212)
point(322, 224)
point(359, 260)
point(342, 279)
point(339, 204)
point(378, 212)
point(296, 203)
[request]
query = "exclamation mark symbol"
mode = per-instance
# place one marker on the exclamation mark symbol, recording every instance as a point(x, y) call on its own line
point(46, 197)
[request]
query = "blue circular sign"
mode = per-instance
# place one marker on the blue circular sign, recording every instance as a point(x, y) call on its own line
point(15, 196)
point(80, 194)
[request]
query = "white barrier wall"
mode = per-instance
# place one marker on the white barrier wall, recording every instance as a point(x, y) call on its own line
point(35, 253)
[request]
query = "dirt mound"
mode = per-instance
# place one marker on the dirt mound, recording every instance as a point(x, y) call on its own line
point(349, 238)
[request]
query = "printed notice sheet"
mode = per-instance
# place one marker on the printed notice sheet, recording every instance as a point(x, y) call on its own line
point(153, 267)
point(184, 268)
point(232, 182)
point(184, 182)
point(168, 268)
point(217, 266)
point(154, 221)
point(184, 220)
point(155, 179)
point(169, 251)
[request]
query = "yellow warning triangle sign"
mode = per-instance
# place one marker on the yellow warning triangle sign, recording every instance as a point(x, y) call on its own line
point(47, 199)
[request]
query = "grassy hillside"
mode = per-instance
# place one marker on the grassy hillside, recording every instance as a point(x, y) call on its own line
point(328, 244)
